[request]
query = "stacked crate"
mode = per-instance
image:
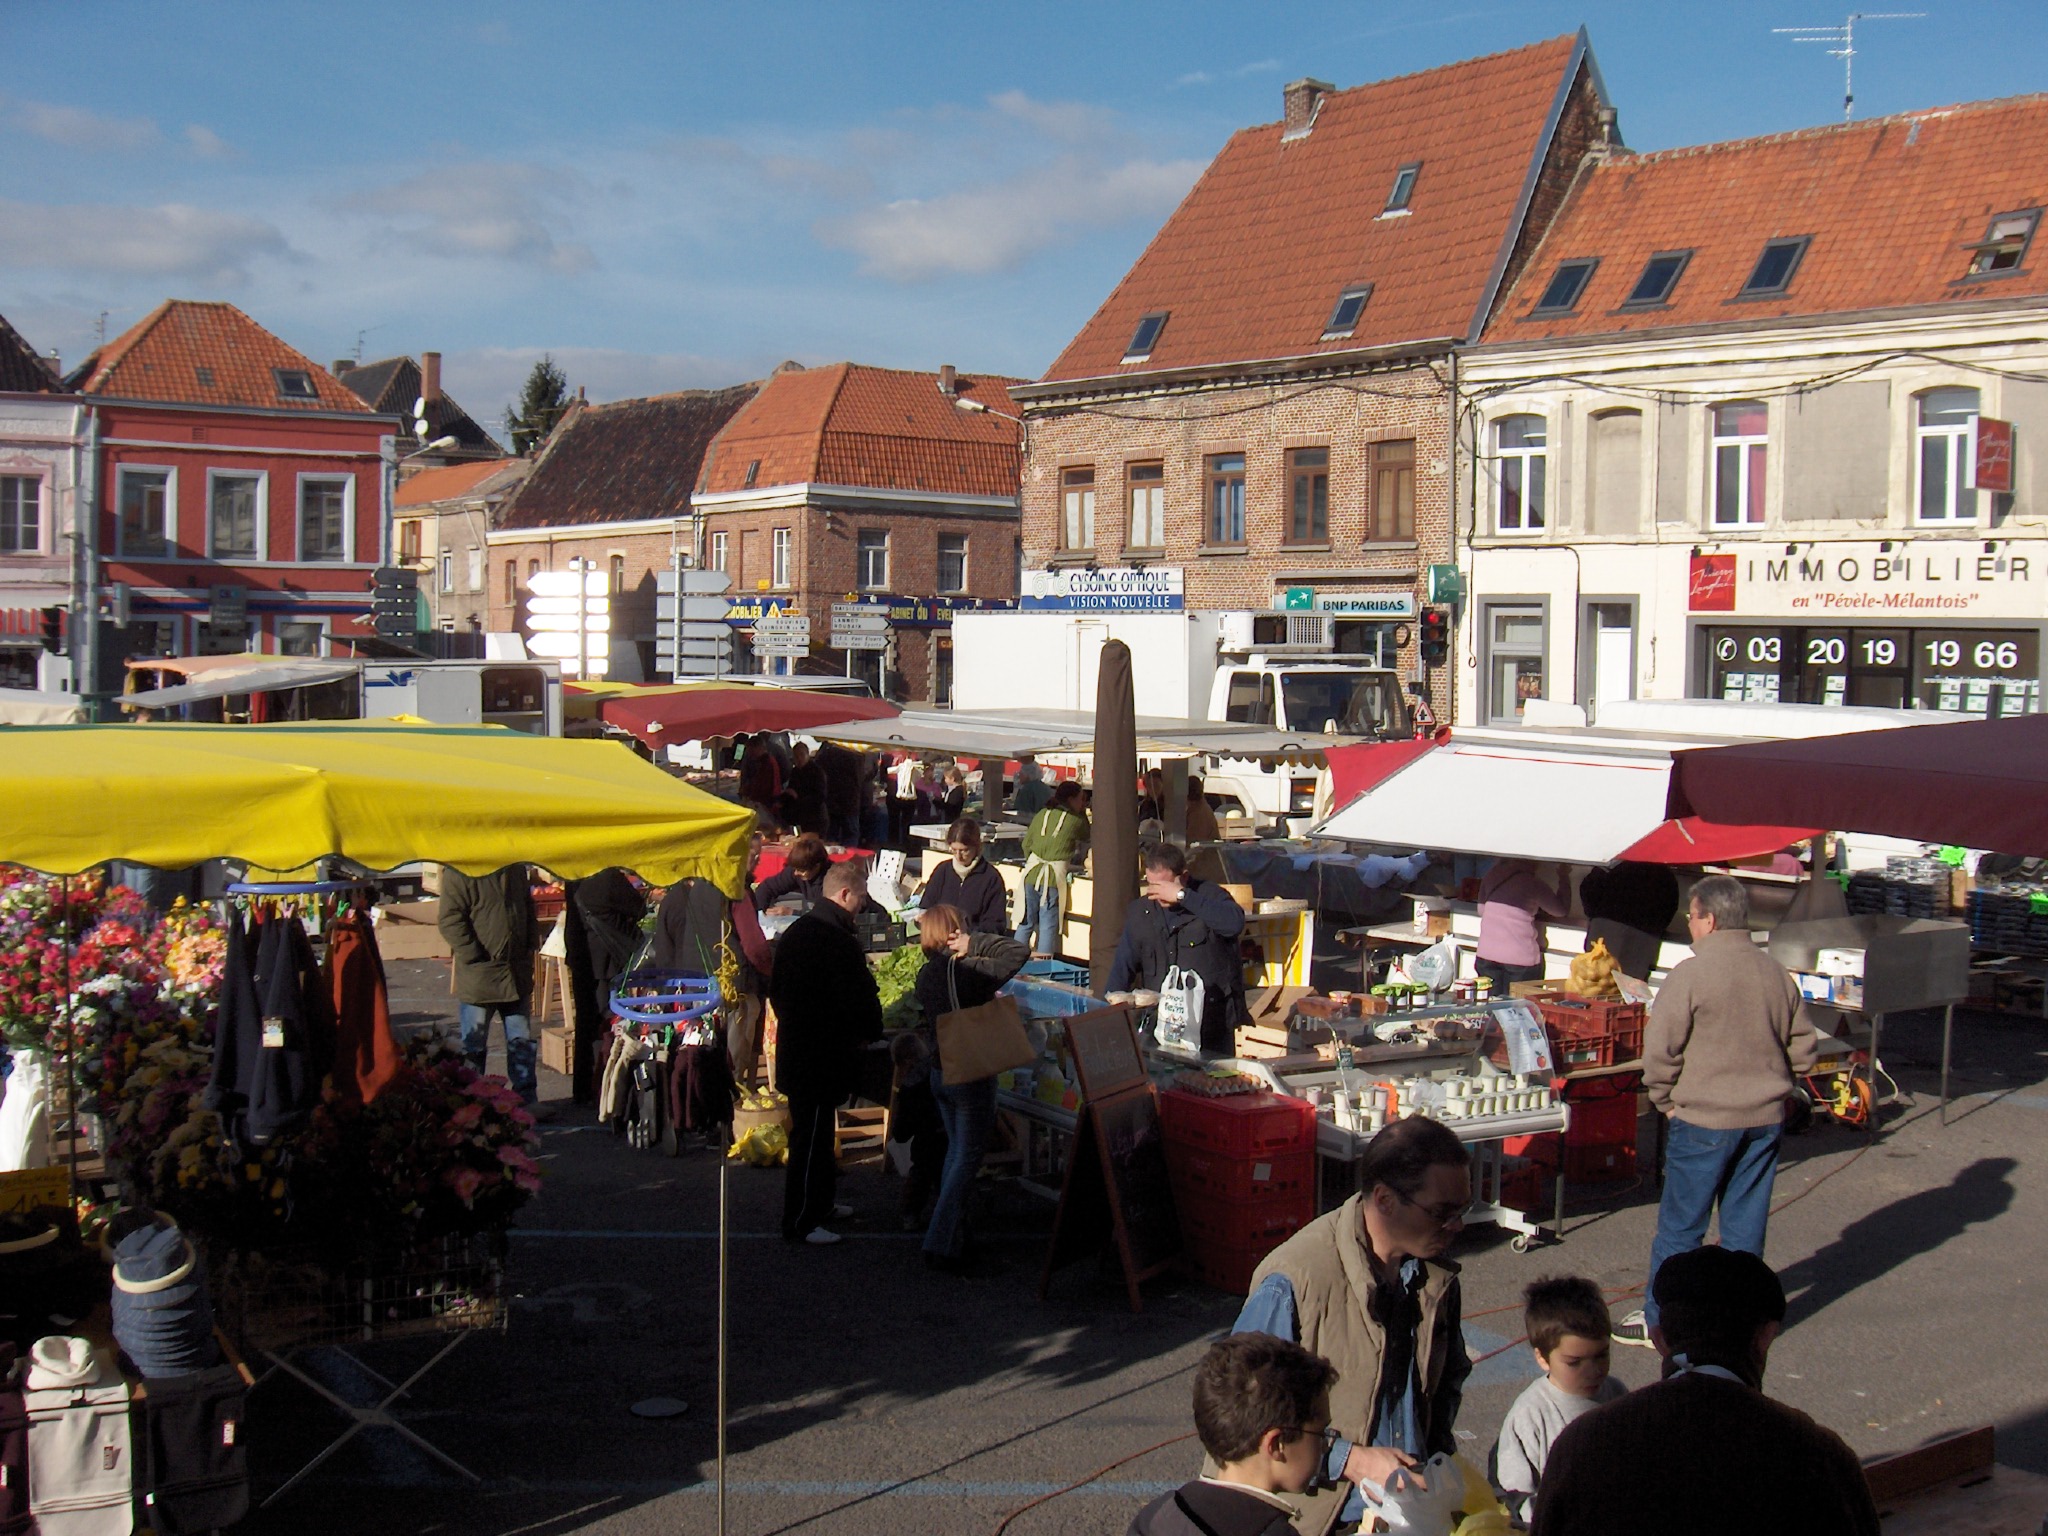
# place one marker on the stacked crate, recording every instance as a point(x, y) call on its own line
point(1585, 1032)
point(1243, 1169)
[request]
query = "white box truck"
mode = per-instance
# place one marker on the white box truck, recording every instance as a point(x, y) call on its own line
point(1278, 669)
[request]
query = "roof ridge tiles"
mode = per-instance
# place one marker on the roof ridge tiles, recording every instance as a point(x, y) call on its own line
point(1624, 157)
point(1432, 69)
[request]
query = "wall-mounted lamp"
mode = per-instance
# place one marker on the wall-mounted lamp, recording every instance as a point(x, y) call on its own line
point(1991, 546)
point(1884, 546)
point(1695, 551)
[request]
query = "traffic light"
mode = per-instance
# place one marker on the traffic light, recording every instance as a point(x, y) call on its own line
point(1436, 637)
point(395, 602)
point(53, 630)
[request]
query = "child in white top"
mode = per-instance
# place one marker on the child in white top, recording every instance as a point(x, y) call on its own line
point(1568, 1329)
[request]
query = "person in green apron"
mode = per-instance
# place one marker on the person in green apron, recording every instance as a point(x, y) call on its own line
point(1052, 841)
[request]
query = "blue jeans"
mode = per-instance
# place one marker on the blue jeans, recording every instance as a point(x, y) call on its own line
point(1702, 1168)
point(521, 1052)
point(969, 1112)
point(1041, 925)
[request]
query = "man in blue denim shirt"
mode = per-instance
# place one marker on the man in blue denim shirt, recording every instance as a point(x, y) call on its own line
point(1367, 1287)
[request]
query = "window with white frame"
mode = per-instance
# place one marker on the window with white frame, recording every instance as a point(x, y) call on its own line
point(21, 515)
point(300, 637)
point(1521, 457)
point(1941, 440)
point(324, 502)
point(145, 500)
point(1148, 505)
point(952, 562)
point(618, 573)
point(1741, 432)
point(447, 570)
point(871, 554)
point(718, 552)
point(234, 516)
point(778, 557)
point(1077, 507)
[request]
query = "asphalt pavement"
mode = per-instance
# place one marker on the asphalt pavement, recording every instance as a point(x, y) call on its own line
point(868, 1394)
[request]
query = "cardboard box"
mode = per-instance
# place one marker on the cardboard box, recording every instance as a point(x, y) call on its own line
point(1270, 1006)
point(554, 1049)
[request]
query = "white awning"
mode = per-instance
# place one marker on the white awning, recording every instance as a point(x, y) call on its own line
point(1573, 808)
point(25, 706)
point(1009, 733)
point(273, 673)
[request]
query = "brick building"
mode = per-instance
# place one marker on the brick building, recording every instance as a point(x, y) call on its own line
point(1262, 407)
point(612, 485)
point(441, 522)
point(241, 489)
point(891, 489)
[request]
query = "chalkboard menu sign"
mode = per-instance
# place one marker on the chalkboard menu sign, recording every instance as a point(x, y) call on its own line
point(1117, 1191)
point(1104, 1044)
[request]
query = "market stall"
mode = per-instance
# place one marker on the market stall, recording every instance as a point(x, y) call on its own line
point(374, 1207)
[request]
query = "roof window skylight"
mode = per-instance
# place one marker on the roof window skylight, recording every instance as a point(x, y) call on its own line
point(2004, 245)
point(1145, 337)
point(1404, 188)
point(1774, 268)
point(1350, 305)
point(1566, 286)
point(295, 384)
point(1660, 276)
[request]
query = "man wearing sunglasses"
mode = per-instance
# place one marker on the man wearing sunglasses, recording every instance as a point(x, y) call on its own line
point(1368, 1288)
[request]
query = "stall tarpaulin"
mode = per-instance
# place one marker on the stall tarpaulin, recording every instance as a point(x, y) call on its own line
point(1535, 803)
point(684, 712)
point(280, 797)
point(1113, 835)
point(1977, 783)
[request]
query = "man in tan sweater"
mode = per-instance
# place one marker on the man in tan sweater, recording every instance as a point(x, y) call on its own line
point(1727, 1035)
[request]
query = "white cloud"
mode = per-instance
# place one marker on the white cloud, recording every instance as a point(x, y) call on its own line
point(501, 211)
point(1242, 72)
point(996, 226)
point(1073, 122)
point(76, 128)
point(171, 240)
point(207, 144)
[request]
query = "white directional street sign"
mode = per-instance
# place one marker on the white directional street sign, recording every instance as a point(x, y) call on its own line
point(783, 626)
point(859, 624)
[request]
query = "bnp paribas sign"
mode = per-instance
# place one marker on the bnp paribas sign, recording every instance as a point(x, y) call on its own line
point(1994, 578)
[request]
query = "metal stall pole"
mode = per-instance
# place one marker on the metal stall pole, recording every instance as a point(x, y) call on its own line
point(1948, 1029)
point(724, 1170)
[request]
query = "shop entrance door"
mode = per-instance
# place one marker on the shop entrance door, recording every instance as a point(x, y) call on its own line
point(1609, 646)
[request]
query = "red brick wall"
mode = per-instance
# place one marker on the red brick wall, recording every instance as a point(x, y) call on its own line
point(1577, 132)
point(1261, 421)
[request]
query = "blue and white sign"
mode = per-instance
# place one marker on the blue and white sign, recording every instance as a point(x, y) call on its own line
point(1111, 589)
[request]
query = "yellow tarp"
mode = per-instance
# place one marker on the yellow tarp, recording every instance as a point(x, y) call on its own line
point(279, 797)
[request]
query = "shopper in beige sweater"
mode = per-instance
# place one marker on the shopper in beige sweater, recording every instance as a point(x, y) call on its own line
point(1727, 1036)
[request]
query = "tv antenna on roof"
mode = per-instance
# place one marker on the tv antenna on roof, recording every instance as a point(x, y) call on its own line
point(1844, 40)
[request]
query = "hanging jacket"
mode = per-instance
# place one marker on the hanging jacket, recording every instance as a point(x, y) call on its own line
point(366, 1055)
point(275, 1035)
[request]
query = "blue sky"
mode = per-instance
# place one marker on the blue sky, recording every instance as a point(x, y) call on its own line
point(668, 194)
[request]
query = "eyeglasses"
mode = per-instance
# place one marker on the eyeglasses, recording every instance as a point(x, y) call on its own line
point(1445, 1215)
point(1329, 1434)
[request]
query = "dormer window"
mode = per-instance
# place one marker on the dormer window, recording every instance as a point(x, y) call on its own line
point(2004, 245)
point(1145, 337)
point(1774, 268)
point(1660, 276)
point(294, 384)
point(1404, 188)
point(1344, 318)
point(1567, 283)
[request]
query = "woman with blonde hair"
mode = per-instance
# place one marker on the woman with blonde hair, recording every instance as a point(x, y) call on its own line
point(961, 970)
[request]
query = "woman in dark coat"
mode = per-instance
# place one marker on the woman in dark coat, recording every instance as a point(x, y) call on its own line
point(968, 881)
point(961, 970)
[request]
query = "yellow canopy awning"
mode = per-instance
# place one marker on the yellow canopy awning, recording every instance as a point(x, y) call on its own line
point(279, 797)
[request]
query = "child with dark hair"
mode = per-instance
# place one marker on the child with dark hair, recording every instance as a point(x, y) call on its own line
point(1262, 1406)
point(1568, 1326)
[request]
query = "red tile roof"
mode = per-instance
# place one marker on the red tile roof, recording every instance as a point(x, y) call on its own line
point(622, 462)
point(1891, 206)
point(882, 428)
point(1251, 264)
point(445, 482)
point(190, 353)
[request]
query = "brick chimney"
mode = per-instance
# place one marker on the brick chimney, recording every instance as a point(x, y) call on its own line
point(1606, 132)
point(430, 376)
point(341, 365)
point(949, 382)
point(1299, 102)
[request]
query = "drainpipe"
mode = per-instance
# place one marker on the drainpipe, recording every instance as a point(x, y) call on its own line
point(85, 545)
point(1457, 660)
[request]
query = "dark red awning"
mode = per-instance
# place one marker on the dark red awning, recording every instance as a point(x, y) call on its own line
point(671, 718)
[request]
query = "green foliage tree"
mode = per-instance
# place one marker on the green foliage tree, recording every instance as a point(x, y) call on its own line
point(540, 406)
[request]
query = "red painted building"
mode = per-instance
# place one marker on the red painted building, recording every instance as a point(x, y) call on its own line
point(241, 489)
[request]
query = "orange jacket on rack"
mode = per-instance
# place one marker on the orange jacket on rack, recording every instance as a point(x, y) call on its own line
point(366, 1055)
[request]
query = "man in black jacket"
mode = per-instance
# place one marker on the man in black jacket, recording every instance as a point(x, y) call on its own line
point(826, 1009)
point(1192, 924)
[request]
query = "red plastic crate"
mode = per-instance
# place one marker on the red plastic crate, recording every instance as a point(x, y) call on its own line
point(1598, 1164)
point(1240, 1124)
point(1201, 1174)
point(1227, 1266)
point(1525, 1186)
point(1540, 1149)
point(1609, 1121)
point(1215, 1225)
point(1589, 1031)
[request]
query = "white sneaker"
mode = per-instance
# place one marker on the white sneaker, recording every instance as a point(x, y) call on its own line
point(1634, 1329)
point(841, 1212)
point(822, 1238)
